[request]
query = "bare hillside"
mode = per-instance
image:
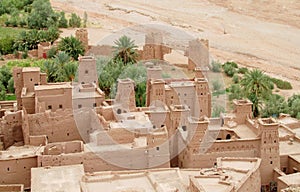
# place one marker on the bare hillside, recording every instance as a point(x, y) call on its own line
point(259, 34)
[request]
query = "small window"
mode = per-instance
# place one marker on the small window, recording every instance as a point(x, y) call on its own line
point(31, 79)
point(60, 106)
point(86, 71)
point(157, 148)
point(154, 127)
point(79, 106)
point(68, 134)
point(36, 84)
point(94, 104)
point(271, 162)
point(49, 107)
point(119, 111)
point(184, 127)
point(7, 168)
point(274, 141)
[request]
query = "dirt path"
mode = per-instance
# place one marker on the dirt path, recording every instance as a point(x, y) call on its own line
point(258, 34)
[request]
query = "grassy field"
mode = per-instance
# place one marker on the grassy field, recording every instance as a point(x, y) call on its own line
point(9, 31)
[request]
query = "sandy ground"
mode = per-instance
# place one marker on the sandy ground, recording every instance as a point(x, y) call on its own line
point(262, 34)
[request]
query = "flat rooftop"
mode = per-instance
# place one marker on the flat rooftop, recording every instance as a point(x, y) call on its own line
point(54, 179)
point(30, 69)
point(181, 84)
point(244, 132)
point(172, 179)
point(288, 148)
point(296, 157)
point(291, 179)
point(66, 85)
point(21, 152)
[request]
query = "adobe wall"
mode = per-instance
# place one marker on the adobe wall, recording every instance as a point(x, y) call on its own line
point(29, 104)
point(207, 158)
point(58, 126)
point(12, 188)
point(82, 35)
point(132, 159)
point(115, 136)
point(17, 170)
point(87, 71)
point(43, 49)
point(293, 165)
point(53, 99)
point(87, 102)
point(105, 50)
point(18, 85)
point(198, 53)
point(11, 128)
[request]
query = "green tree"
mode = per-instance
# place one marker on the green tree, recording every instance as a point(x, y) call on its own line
point(75, 20)
point(70, 70)
point(108, 73)
point(62, 22)
point(275, 105)
point(256, 87)
point(125, 50)
point(10, 86)
point(2, 92)
point(235, 92)
point(71, 46)
point(7, 45)
point(42, 15)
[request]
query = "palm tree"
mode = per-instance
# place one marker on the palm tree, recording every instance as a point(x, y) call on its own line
point(70, 70)
point(71, 46)
point(256, 86)
point(125, 50)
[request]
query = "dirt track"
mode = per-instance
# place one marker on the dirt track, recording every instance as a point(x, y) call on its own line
point(260, 34)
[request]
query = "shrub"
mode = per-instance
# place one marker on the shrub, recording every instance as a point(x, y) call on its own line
point(74, 21)
point(7, 45)
point(243, 70)
point(62, 22)
point(216, 66)
point(216, 85)
point(281, 84)
point(235, 78)
point(229, 70)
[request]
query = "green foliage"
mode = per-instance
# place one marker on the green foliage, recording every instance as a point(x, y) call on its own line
point(42, 15)
point(235, 78)
point(216, 66)
point(243, 70)
point(2, 92)
point(235, 92)
point(217, 110)
point(256, 87)
point(274, 105)
point(29, 40)
point(281, 84)
point(62, 22)
point(10, 86)
point(108, 73)
point(52, 52)
point(10, 6)
point(216, 85)
point(125, 50)
point(71, 46)
point(294, 104)
point(74, 21)
point(7, 45)
point(230, 68)
point(5, 75)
